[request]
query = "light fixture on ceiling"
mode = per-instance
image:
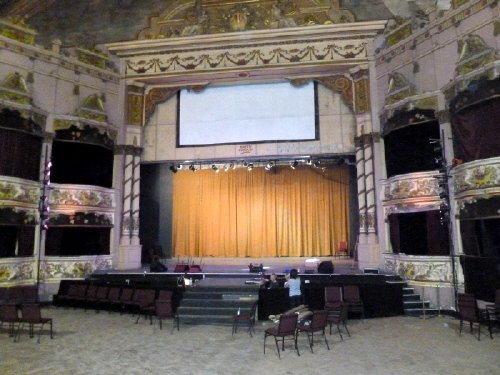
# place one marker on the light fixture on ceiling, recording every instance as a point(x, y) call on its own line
point(269, 166)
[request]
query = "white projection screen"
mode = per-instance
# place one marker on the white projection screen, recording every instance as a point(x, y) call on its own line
point(247, 114)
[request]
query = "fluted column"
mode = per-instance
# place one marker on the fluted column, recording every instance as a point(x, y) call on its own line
point(360, 175)
point(127, 197)
point(369, 185)
point(134, 198)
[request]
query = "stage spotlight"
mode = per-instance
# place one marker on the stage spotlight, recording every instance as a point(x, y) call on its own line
point(214, 167)
point(250, 166)
point(294, 164)
point(179, 166)
point(308, 161)
point(192, 168)
point(317, 163)
point(269, 166)
point(173, 168)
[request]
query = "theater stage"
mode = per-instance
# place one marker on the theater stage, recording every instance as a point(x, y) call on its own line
point(382, 294)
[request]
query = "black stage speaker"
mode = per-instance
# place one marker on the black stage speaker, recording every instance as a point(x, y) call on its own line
point(325, 266)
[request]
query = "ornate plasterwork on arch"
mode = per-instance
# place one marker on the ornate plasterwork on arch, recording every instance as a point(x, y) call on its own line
point(196, 17)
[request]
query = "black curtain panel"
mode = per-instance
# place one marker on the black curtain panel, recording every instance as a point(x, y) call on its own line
point(475, 131)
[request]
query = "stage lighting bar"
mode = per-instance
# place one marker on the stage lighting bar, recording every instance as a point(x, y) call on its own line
point(267, 164)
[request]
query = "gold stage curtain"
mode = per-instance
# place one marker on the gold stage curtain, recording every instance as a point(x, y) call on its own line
point(259, 213)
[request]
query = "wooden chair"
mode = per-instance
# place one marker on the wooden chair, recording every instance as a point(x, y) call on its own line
point(318, 323)
point(31, 314)
point(469, 312)
point(246, 317)
point(286, 329)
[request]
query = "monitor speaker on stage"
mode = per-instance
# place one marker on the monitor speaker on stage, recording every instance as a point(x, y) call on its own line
point(325, 266)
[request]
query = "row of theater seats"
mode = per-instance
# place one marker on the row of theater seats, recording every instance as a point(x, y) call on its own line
point(19, 294)
point(111, 297)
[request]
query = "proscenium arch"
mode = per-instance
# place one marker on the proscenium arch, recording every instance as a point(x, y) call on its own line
point(338, 83)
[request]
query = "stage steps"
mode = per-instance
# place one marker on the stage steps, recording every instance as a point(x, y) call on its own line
point(414, 305)
point(215, 305)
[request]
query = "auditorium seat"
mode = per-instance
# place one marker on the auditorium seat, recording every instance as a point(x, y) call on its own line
point(113, 298)
point(246, 317)
point(286, 329)
point(318, 323)
point(163, 310)
point(333, 297)
point(342, 249)
point(126, 298)
point(469, 312)
point(353, 299)
point(9, 315)
point(339, 317)
point(31, 314)
point(99, 299)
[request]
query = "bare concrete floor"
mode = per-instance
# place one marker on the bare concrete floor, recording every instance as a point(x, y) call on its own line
point(104, 343)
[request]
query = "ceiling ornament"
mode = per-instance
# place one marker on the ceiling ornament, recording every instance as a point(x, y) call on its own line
point(209, 17)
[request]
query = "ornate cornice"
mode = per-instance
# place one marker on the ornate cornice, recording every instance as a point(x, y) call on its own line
point(56, 58)
point(404, 118)
point(71, 130)
point(479, 91)
point(297, 52)
point(452, 18)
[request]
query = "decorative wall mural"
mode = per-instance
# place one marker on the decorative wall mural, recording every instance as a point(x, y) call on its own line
point(75, 196)
point(408, 187)
point(70, 268)
point(16, 271)
point(424, 269)
point(17, 191)
point(477, 178)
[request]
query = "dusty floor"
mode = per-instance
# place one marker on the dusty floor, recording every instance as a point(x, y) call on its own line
point(109, 343)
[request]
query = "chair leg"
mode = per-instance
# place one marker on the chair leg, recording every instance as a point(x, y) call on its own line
point(340, 332)
point(326, 341)
point(310, 338)
point(278, 346)
point(347, 330)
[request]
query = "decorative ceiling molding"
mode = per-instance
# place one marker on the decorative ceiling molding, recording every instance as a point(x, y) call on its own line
point(188, 18)
point(252, 55)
